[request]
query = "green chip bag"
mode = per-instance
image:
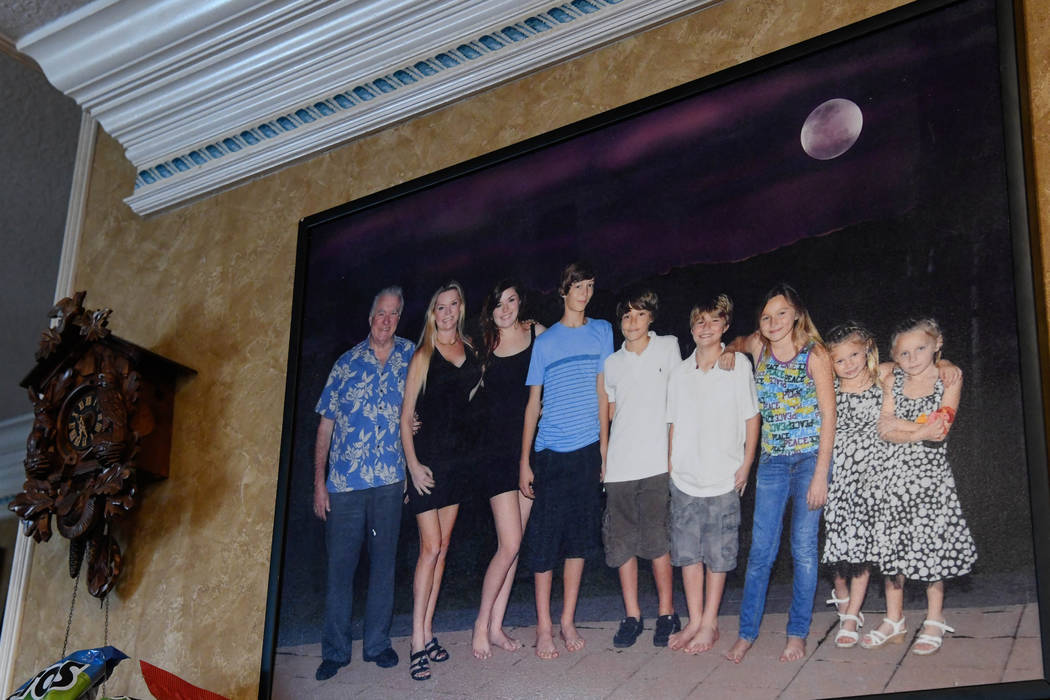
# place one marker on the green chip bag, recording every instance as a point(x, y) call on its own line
point(76, 677)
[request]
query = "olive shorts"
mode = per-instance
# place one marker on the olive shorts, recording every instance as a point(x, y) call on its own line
point(635, 519)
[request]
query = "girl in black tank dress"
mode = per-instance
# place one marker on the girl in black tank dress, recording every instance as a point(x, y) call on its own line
point(501, 412)
point(507, 349)
point(441, 376)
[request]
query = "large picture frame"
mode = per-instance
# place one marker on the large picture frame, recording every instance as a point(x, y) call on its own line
point(879, 169)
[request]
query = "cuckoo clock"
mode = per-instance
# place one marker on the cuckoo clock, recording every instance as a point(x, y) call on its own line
point(102, 419)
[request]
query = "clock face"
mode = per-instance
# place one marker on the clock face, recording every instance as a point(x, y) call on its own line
point(80, 419)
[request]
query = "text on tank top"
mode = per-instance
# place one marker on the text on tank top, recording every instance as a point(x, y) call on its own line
point(787, 398)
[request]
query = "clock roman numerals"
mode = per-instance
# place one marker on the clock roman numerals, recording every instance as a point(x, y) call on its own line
point(82, 421)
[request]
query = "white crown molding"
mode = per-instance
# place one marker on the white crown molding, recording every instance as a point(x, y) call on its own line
point(205, 94)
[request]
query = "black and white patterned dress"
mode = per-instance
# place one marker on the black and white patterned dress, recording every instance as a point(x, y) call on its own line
point(858, 460)
point(920, 530)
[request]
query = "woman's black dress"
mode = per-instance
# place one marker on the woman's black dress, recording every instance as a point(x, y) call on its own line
point(447, 436)
point(502, 400)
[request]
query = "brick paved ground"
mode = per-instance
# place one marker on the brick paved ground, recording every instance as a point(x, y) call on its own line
point(992, 644)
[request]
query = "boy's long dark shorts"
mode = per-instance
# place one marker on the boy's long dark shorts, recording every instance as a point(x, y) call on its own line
point(635, 519)
point(565, 521)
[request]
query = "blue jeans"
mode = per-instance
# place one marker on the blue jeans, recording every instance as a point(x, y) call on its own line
point(782, 479)
point(373, 514)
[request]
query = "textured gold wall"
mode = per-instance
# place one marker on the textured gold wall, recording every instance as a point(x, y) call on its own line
point(210, 285)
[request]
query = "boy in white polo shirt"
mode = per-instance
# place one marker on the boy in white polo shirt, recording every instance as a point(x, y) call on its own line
point(714, 433)
point(636, 481)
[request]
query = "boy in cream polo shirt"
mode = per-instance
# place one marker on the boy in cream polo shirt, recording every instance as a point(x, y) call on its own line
point(714, 434)
point(636, 482)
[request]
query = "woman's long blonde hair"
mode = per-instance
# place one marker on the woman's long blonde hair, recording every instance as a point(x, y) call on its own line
point(425, 346)
point(804, 331)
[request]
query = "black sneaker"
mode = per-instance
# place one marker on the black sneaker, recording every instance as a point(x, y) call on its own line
point(630, 628)
point(666, 625)
point(327, 669)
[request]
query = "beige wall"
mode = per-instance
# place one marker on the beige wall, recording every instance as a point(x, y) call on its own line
point(210, 285)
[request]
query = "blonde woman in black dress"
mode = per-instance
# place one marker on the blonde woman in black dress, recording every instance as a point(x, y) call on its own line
point(442, 375)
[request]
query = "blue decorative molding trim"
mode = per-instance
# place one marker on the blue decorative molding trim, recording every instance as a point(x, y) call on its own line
point(352, 97)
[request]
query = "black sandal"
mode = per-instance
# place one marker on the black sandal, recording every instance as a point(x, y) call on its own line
point(420, 667)
point(436, 652)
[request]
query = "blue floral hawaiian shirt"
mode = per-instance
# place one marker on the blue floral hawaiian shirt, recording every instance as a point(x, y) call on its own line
point(364, 401)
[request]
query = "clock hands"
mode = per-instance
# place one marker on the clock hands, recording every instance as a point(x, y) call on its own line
point(81, 429)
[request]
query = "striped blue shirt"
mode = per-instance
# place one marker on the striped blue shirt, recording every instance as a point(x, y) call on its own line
point(566, 362)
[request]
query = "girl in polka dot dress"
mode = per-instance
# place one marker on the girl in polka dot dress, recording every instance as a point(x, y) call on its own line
point(857, 461)
point(920, 531)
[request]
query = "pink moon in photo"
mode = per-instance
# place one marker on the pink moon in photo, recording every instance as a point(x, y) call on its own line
point(831, 129)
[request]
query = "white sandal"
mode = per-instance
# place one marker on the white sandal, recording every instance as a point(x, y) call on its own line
point(875, 639)
point(934, 642)
point(836, 601)
point(851, 636)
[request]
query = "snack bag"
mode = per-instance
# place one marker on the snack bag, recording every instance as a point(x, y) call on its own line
point(76, 677)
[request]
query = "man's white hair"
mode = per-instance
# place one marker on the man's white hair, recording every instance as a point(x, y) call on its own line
point(392, 291)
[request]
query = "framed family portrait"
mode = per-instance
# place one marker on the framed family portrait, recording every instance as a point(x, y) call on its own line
point(879, 170)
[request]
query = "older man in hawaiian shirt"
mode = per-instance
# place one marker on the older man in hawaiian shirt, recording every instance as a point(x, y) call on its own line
point(359, 498)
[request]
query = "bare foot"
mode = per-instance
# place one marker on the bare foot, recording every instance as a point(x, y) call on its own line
point(500, 639)
point(739, 649)
point(480, 643)
point(794, 650)
point(703, 641)
point(679, 639)
point(545, 648)
point(573, 641)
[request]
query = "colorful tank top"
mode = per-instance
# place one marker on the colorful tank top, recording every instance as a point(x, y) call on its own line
point(787, 397)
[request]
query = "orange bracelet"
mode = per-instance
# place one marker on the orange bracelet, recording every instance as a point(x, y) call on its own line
point(947, 411)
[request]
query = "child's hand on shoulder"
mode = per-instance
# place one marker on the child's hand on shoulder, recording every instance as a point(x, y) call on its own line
point(949, 373)
point(886, 372)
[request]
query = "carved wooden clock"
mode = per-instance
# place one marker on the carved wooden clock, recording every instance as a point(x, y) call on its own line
point(102, 415)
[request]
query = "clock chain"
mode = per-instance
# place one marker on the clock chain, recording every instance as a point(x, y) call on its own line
point(105, 638)
point(69, 622)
